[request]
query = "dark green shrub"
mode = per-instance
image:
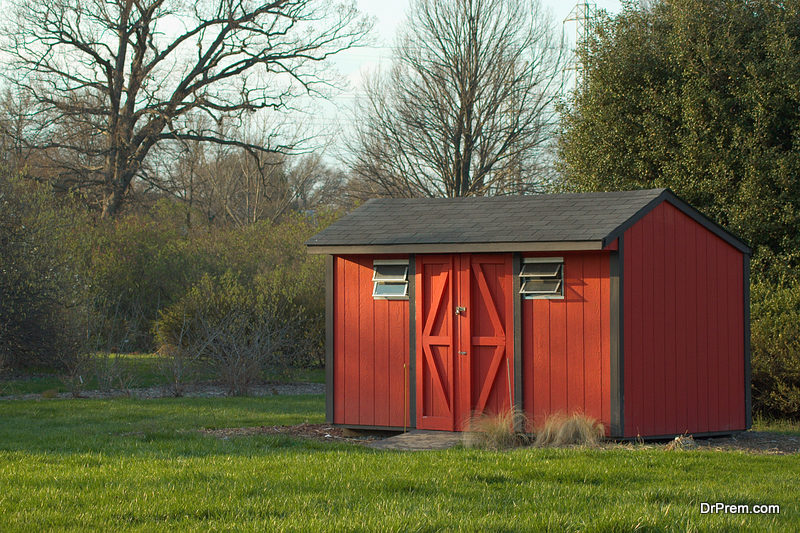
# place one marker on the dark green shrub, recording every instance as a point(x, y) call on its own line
point(241, 332)
point(775, 329)
point(42, 321)
point(142, 265)
point(72, 284)
point(138, 265)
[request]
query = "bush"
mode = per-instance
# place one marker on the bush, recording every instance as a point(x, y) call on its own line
point(240, 332)
point(142, 265)
point(71, 284)
point(561, 430)
point(138, 265)
point(775, 343)
point(42, 321)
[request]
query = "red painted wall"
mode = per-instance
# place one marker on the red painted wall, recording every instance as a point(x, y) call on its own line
point(370, 348)
point(565, 343)
point(683, 328)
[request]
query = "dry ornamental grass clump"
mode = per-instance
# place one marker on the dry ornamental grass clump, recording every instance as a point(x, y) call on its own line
point(562, 430)
point(496, 431)
point(681, 442)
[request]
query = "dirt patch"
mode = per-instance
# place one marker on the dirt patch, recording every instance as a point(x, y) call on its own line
point(754, 442)
point(320, 432)
point(757, 442)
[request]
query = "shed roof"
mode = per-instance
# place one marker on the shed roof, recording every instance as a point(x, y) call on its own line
point(508, 223)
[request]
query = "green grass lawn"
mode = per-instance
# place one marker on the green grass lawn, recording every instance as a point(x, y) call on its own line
point(787, 427)
point(139, 369)
point(141, 465)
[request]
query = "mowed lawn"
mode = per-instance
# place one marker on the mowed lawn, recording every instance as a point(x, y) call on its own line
point(142, 465)
point(139, 370)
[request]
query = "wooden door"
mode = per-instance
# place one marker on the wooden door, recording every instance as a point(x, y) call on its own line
point(487, 369)
point(464, 332)
point(435, 342)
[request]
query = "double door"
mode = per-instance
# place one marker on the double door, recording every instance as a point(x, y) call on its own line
point(464, 338)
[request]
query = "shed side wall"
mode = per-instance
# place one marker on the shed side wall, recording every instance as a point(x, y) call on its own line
point(565, 343)
point(683, 327)
point(371, 347)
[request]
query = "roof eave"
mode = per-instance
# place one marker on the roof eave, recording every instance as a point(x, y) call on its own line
point(461, 247)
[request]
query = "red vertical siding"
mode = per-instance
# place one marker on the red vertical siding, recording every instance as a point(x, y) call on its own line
point(565, 348)
point(370, 349)
point(683, 345)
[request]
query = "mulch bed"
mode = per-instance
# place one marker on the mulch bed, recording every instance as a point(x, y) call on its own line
point(757, 442)
point(754, 442)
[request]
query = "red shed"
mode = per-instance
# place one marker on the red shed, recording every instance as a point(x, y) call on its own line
point(630, 307)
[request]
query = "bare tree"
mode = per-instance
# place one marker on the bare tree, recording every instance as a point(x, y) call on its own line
point(118, 77)
point(234, 186)
point(227, 183)
point(468, 105)
point(315, 183)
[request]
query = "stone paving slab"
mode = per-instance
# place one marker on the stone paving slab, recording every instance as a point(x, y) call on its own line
point(418, 440)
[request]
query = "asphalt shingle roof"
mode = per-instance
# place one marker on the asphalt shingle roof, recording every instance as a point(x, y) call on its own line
point(538, 218)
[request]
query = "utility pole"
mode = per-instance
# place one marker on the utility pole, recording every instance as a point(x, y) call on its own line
point(583, 15)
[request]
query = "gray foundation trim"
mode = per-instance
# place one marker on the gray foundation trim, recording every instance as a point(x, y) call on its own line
point(412, 342)
point(329, 310)
point(490, 247)
point(670, 436)
point(516, 265)
point(748, 400)
point(616, 329)
point(398, 429)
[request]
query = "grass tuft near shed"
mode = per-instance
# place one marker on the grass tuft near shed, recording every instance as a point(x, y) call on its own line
point(562, 430)
point(496, 431)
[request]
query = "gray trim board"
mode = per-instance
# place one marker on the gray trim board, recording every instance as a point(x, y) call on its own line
point(709, 224)
point(748, 400)
point(412, 342)
point(329, 312)
point(516, 265)
point(691, 212)
point(670, 436)
point(398, 429)
point(491, 247)
point(617, 341)
point(640, 214)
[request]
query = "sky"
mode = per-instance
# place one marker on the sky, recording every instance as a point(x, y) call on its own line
point(335, 116)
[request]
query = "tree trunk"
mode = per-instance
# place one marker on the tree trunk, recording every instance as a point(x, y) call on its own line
point(116, 186)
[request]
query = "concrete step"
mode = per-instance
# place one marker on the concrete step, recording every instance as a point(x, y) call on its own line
point(418, 440)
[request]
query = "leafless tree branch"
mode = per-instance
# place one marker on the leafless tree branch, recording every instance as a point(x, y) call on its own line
point(468, 107)
point(125, 73)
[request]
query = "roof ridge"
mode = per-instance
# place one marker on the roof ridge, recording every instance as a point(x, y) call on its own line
point(655, 191)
